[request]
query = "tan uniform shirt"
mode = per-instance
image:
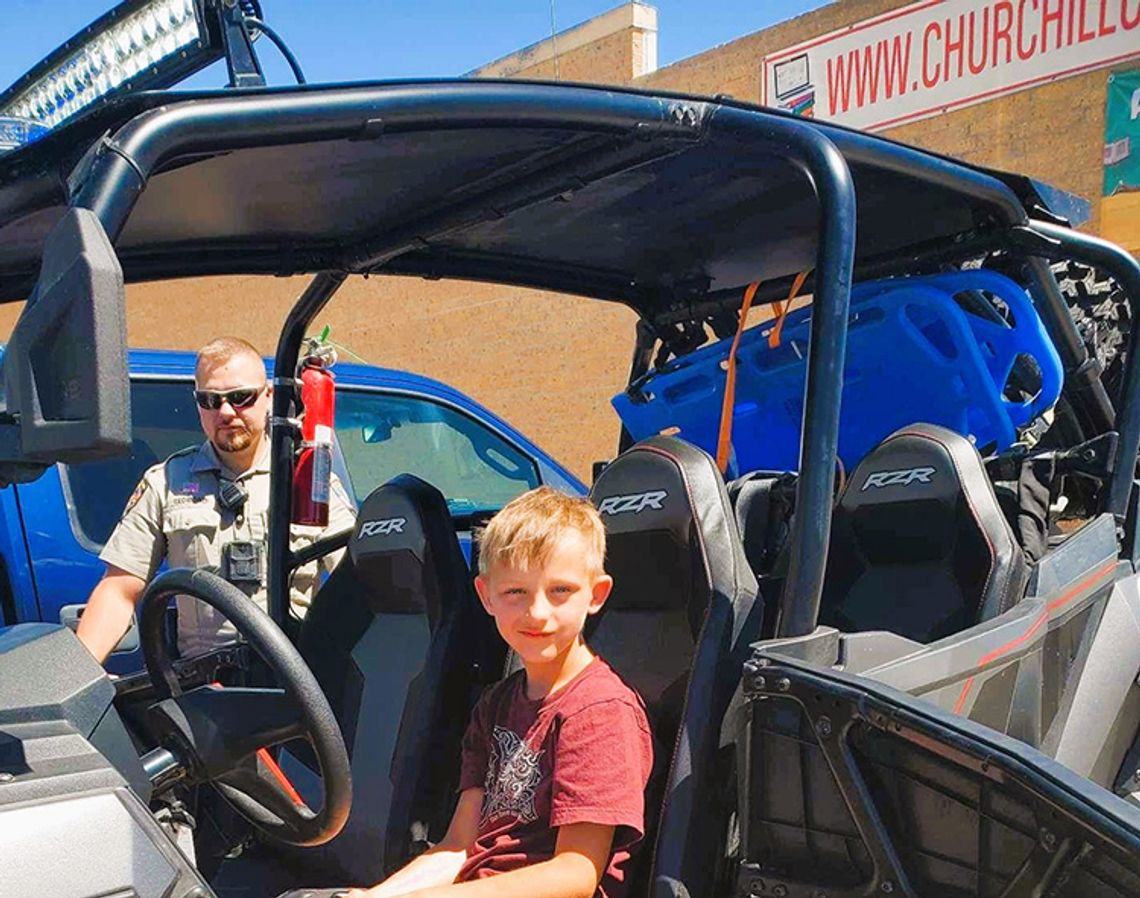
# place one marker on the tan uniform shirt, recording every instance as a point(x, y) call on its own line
point(174, 514)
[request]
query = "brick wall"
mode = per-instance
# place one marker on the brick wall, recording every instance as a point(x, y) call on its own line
point(547, 363)
point(734, 68)
point(613, 48)
point(605, 61)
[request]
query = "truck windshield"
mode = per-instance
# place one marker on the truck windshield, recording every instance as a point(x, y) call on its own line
point(381, 435)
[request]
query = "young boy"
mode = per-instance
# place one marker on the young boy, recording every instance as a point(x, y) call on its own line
point(557, 756)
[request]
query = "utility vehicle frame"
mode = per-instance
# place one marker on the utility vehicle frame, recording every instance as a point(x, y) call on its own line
point(802, 760)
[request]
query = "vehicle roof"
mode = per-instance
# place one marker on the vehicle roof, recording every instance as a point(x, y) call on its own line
point(650, 199)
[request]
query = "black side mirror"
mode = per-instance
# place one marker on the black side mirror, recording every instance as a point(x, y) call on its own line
point(65, 368)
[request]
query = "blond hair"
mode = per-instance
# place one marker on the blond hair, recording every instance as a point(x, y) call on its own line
point(528, 527)
point(221, 349)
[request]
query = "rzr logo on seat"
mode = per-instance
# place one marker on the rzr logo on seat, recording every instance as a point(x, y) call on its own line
point(898, 478)
point(636, 503)
point(382, 528)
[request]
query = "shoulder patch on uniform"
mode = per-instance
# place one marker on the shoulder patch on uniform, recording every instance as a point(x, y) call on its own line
point(139, 492)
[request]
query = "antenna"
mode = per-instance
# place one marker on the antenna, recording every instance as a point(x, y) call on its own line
point(554, 41)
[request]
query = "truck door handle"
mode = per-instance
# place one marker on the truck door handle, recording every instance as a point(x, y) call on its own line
point(69, 616)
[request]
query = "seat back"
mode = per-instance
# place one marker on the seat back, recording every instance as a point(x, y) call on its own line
point(395, 640)
point(677, 626)
point(919, 543)
point(763, 503)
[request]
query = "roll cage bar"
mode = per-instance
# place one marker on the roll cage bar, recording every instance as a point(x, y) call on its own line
point(115, 178)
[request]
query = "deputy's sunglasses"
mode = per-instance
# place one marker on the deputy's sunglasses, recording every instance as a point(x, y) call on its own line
point(239, 397)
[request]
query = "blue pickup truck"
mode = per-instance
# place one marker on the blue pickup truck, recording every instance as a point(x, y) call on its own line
point(387, 422)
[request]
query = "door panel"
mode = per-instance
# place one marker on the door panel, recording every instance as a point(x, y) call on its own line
point(854, 788)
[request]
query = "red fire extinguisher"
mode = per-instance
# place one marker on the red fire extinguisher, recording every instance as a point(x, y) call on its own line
point(313, 472)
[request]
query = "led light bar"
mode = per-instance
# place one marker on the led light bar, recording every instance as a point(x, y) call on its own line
point(133, 47)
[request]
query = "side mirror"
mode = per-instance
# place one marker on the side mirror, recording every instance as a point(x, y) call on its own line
point(65, 368)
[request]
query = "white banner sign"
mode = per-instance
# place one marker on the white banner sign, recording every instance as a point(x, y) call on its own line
point(938, 55)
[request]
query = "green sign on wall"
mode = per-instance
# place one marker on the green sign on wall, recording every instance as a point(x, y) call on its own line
point(1122, 133)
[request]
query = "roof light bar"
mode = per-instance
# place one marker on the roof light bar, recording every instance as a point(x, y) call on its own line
point(135, 46)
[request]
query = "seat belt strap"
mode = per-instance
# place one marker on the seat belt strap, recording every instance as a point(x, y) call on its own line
point(724, 436)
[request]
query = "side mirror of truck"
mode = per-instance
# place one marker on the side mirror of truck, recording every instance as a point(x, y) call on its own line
point(65, 369)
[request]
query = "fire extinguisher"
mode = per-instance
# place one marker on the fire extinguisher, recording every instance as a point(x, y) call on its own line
point(313, 472)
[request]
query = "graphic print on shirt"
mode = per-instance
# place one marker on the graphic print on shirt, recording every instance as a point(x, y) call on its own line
point(512, 778)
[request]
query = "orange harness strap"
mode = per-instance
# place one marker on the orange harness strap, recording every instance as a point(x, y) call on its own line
point(782, 309)
point(278, 774)
point(724, 436)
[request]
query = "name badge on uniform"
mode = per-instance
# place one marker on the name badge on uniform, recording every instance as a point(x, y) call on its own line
point(185, 493)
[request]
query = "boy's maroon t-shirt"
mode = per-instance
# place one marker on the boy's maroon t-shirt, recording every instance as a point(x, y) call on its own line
point(581, 755)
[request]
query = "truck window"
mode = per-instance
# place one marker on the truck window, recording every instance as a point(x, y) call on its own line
point(164, 421)
point(385, 434)
point(380, 434)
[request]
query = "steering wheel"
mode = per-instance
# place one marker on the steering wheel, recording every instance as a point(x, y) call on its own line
point(216, 734)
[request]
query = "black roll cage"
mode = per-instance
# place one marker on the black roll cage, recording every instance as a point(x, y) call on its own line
point(115, 178)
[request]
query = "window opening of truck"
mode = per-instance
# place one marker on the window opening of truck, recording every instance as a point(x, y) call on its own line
point(164, 421)
point(382, 435)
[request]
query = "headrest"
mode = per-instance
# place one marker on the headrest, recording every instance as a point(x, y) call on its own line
point(905, 497)
point(648, 498)
point(404, 549)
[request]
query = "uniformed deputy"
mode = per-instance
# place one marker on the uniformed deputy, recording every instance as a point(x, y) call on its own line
point(206, 506)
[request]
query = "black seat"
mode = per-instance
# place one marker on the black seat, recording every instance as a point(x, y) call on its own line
point(677, 628)
point(919, 543)
point(397, 641)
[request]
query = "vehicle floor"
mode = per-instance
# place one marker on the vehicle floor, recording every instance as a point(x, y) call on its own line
point(261, 872)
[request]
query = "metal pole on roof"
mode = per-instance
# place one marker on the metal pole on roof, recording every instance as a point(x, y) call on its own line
point(283, 435)
point(823, 389)
point(822, 163)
